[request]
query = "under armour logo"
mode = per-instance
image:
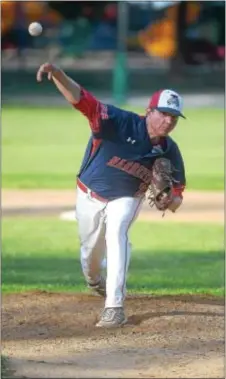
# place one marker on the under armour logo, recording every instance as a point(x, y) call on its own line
point(131, 140)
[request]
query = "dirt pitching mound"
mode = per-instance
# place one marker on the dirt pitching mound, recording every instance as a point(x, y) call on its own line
point(49, 335)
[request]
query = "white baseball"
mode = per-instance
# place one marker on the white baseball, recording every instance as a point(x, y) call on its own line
point(35, 29)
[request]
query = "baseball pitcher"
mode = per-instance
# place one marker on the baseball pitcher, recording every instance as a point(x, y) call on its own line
point(127, 157)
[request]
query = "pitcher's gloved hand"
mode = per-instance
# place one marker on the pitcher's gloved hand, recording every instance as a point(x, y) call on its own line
point(161, 189)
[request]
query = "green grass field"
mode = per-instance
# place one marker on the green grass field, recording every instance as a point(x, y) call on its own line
point(43, 148)
point(175, 258)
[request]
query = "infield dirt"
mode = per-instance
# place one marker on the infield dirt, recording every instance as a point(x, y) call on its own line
point(198, 206)
point(49, 335)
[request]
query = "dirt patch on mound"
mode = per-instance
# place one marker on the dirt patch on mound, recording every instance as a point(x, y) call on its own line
point(54, 335)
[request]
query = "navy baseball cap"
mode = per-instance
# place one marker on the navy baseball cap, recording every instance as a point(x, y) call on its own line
point(168, 101)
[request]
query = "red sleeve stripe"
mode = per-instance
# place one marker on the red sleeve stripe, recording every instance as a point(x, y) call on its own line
point(90, 107)
point(96, 144)
point(177, 191)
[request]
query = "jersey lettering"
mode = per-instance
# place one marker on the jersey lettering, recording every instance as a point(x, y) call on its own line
point(132, 168)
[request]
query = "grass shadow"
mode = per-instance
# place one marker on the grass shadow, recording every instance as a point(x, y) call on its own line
point(162, 272)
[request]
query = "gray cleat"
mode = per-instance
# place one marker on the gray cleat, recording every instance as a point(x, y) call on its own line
point(99, 288)
point(112, 318)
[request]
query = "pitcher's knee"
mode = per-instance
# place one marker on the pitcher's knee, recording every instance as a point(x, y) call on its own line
point(118, 233)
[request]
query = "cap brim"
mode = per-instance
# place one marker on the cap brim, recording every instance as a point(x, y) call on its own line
point(174, 112)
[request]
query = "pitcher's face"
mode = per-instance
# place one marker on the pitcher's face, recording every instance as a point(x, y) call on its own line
point(160, 124)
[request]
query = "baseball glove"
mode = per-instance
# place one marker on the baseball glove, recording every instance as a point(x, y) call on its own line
point(160, 191)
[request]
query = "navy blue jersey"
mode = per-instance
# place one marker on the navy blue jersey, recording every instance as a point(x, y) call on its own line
point(119, 155)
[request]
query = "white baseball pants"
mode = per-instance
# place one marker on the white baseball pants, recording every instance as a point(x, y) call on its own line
point(103, 232)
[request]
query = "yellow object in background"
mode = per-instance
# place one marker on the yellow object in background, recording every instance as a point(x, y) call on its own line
point(40, 11)
point(32, 11)
point(8, 16)
point(160, 38)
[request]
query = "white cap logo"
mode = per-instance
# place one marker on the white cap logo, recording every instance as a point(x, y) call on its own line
point(167, 101)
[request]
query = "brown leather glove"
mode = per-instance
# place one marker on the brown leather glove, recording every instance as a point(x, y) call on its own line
point(160, 191)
